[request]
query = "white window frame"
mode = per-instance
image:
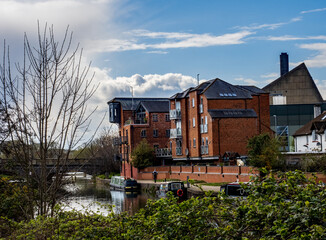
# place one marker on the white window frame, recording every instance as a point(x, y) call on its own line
point(193, 122)
point(193, 102)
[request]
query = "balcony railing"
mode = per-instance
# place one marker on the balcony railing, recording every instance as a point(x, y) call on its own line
point(203, 128)
point(163, 152)
point(175, 133)
point(178, 151)
point(204, 149)
point(120, 140)
point(175, 114)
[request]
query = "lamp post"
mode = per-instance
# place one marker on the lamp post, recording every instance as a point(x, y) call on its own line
point(275, 125)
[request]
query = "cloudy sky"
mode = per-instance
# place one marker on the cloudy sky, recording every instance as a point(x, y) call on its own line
point(157, 47)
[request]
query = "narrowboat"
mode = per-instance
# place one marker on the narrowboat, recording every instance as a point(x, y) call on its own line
point(119, 182)
point(234, 190)
point(177, 188)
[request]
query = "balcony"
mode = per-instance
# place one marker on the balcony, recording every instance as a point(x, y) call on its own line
point(175, 133)
point(175, 114)
point(163, 152)
point(120, 140)
point(203, 128)
point(204, 149)
point(178, 151)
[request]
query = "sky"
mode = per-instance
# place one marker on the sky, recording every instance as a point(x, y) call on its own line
point(155, 48)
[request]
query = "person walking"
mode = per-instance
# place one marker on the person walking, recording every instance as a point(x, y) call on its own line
point(155, 175)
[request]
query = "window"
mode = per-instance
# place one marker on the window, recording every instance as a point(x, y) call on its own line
point(155, 133)
point(155, 118)
point(201, 105)
point(167, 133)
point(193, 122)
point(193, 102)
point(143, 133)
point(194, 144)
point(156, 146)
point(167, 117)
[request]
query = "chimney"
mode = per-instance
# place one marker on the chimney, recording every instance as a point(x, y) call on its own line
point(284, 60)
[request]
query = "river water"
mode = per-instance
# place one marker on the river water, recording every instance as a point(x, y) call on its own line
point(85, 196)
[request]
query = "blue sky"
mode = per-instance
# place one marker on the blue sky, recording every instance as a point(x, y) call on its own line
point(157, 47)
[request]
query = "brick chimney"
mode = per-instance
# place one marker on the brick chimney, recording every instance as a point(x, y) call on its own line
point(284, 63)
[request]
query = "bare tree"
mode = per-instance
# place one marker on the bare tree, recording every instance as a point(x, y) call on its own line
point(46, 105)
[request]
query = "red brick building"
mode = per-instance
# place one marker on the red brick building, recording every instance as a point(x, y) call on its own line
point(138, 119)
point(216, 119)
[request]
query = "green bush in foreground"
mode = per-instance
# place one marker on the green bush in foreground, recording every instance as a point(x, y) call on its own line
point(287, 206)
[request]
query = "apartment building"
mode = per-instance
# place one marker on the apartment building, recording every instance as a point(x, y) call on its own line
point(138, 119)
point(215, 119)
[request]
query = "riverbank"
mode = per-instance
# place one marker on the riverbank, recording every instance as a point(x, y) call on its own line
point(146, 185)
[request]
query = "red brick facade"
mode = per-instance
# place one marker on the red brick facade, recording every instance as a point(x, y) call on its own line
point(207, 137)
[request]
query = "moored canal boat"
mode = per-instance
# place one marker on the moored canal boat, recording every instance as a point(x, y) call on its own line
point(119, 182)
point(177, 188)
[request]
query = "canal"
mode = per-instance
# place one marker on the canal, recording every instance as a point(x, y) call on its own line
point(86, 196)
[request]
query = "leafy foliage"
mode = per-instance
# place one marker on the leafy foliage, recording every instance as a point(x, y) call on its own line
point(283, 206)
point(143, 155)
point(263, 152)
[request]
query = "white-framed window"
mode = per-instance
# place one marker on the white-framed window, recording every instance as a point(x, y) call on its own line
point(206, 120)
point(193, 122)
point(167, 117)
point(193, 102)
point(194, 143)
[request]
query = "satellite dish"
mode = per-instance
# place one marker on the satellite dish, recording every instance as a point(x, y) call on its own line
point(187, 151)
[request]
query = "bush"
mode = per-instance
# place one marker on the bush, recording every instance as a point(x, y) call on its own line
point(282, 206)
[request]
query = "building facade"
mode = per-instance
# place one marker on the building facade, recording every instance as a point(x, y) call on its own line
point(312, 136)
point(294, 101)
point(138, 119)
point(216, 118)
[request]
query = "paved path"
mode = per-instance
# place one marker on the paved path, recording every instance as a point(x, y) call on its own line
point(192, 187)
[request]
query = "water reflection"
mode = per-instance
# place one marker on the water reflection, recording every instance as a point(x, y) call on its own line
point(85, 196)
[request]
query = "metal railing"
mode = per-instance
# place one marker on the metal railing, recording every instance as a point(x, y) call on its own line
point(175, 133)
point(120, 140)
point(163, 152)
point(178, 151)
point(175, 114)
point(204, 149)
point(203, 128)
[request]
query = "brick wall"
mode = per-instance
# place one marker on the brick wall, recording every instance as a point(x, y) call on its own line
point(205, 173)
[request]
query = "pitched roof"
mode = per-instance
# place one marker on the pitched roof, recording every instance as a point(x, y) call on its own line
point(252, 89)
point(286, 80)
point(219, 89)
point(318, 124)
point(132, 103)
point(232, 113)
point(155, 106)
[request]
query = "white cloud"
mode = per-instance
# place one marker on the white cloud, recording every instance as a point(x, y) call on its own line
point(249, 81)
point(314, 10)
point(157, 52)
point(321, 85)
point(270, 75)
point(270, 26)
point(319, 60)
point(293, 38)
point(170, 40)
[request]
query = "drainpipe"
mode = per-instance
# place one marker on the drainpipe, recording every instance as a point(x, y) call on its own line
point(219, 138)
